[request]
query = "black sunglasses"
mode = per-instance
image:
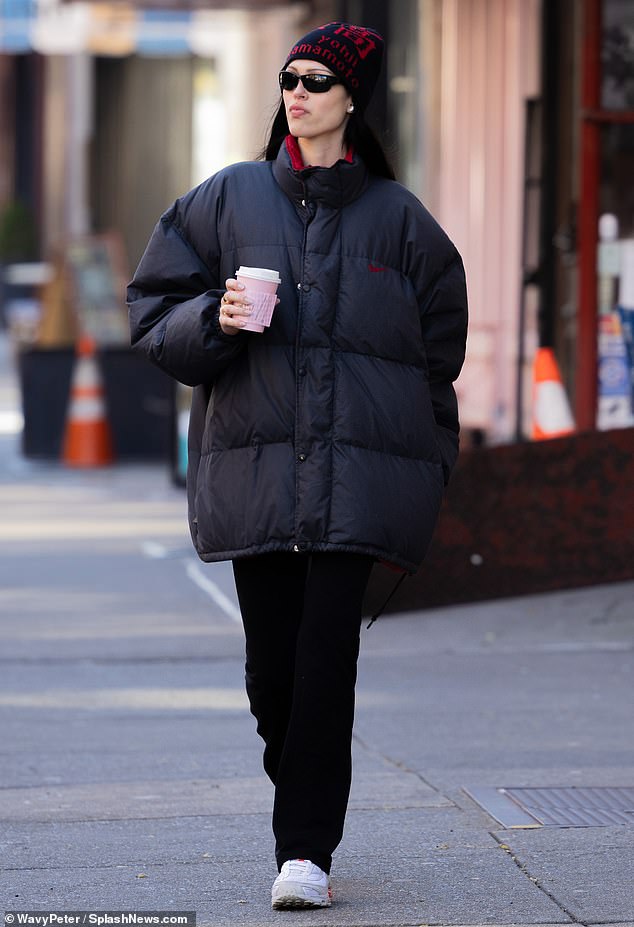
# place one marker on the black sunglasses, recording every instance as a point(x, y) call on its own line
point(313, 83)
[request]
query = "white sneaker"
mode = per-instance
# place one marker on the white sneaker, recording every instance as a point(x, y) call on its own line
point(301, 884)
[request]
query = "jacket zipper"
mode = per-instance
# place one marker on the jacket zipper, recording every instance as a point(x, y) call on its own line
point(307, 219)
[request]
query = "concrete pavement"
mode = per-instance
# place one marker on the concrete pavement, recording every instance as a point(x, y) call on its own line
point(130, 768)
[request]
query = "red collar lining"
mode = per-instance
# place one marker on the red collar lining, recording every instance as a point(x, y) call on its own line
point(297, 162)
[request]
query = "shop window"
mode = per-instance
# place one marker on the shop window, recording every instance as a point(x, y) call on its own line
point(615, 277)
point(617, 55)
point(605, 353)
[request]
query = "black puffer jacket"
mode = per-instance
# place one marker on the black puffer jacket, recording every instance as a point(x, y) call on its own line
point(336, 428)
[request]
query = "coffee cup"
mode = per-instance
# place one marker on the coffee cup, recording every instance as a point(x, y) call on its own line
point(260, 288)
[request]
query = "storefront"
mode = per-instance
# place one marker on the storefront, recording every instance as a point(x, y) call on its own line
point(109, 112)
point(587, 229)
point(514, 122)
point(536, 175)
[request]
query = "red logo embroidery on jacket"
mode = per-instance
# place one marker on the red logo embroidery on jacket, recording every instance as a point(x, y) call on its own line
point(376, 268)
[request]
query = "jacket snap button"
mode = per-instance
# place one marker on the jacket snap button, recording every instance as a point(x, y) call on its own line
point(299, 286)
point(299, 548)
point(302, 371)
point(301, 458)
point(306, 287)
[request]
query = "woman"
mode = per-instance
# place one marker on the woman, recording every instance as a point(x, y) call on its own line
point(321, 445)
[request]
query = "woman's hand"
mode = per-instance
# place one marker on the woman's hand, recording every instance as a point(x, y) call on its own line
point(235, 308)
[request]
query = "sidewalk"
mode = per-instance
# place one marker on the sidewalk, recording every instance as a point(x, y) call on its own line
point(131, 770)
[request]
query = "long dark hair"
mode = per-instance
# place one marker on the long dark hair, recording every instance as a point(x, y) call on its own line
point(357, 133)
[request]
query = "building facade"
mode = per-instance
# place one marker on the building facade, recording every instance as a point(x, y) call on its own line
point(513, 120)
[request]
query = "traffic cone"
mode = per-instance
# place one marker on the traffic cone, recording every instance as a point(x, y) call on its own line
point(87, 438)
point(552, 416)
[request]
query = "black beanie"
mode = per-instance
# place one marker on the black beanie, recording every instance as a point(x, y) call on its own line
point(353, 53)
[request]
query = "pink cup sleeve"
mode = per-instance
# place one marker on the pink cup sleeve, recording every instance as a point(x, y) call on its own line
point(262, 308)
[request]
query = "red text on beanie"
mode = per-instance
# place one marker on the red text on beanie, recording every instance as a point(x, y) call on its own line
point(353, 53)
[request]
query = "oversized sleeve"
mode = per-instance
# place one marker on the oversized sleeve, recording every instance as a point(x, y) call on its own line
point(444, 330)
point(174, 303)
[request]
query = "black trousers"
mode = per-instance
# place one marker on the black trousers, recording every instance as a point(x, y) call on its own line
point(302, 617)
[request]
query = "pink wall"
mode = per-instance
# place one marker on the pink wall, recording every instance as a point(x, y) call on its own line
point(490, 65)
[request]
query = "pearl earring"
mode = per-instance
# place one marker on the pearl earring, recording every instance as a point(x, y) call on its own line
point(351, 108)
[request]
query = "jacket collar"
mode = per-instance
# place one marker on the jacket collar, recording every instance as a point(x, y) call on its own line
point(334, 186)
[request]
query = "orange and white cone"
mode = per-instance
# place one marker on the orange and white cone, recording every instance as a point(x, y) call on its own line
point(87, 438)
point(552, 416)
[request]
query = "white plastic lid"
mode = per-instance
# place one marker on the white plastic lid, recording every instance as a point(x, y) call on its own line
point(259, 273)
